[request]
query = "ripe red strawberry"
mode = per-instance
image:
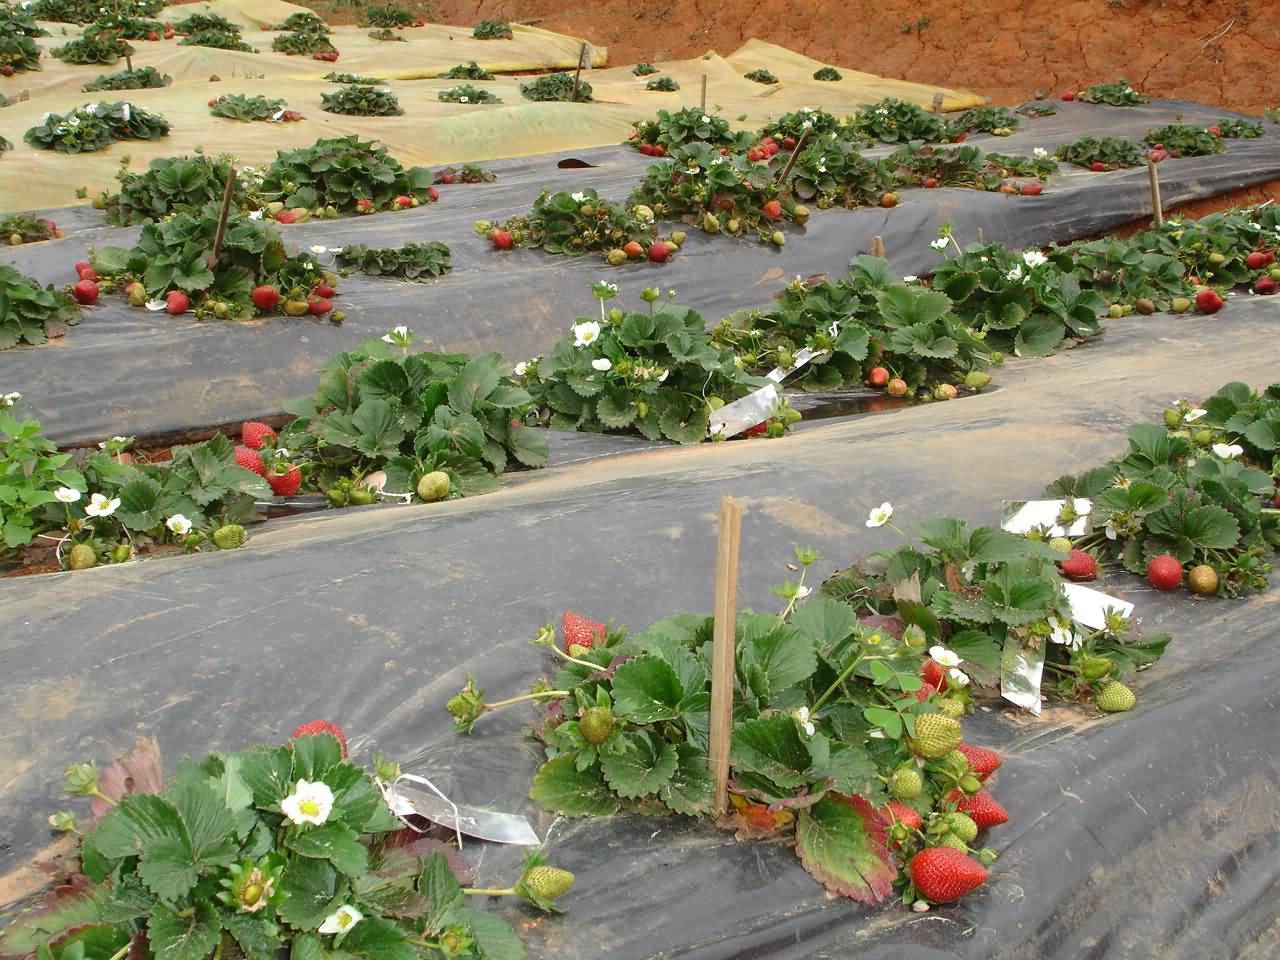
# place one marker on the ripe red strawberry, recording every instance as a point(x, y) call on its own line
point(646, 149)
point(982, 761)
point(85, 292)
point(433, 193)
point(1031, 189)
point(254, 432)
point(1256, 260)
point(896, 810)
point(404, 201)
point(754, 155)
point(930, 183)
point(7, 70)
point(445, 178)
point(1164, 572)
point(772, 210)
point(319, 306)
point(324, 291)
point(580, 632)
point(1080, 565)
point(322, 726)
point(878, 376)
point(659, 150)
point(925, 692)
point(286, 483)
point(960, 137)
point(266, 298)
point(81, 266)
point(177, 302)
point(633, 249)
point(770, 148)
point(502, 239)
point(944, 875)
point(364, 205)
point(1264, 285)
point(1208, 301)
point(788, 143)
point(1069, 95)
point(1098, 166)
point(286, 216)
point(152, 35)
point(982, 808)
point(250, 460)
point(1158, 155)
point(659, 251)
point(932, 672)
point(1216, 131)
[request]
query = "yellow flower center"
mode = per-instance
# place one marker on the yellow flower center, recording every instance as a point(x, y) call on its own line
point(344, 920)
point(310, 808)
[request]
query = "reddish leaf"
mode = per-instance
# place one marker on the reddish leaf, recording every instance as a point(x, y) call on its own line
point(842, 842)
point(138, 771)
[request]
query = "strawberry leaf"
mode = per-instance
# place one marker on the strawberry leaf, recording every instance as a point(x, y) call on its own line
point(771, 746)
point(438, 884)
point(335, 842)
point(376, 938)
point(267, 772)
point(841, 842)
point(1189, 528)
point(310, 887)
point(493, 935)
point(562, 788)
point(172, 937)
point(258, 936)
point(1039, 335)
point(783, 651)
point(645, 765)
point(689, 791)
point(646, 690)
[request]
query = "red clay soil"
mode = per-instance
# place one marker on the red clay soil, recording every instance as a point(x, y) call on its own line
point(1210, 51)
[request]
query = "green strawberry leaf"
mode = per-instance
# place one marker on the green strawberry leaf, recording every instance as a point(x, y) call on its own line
point(1204, 527)
point(474, 383)
point(645, 765)
point(377, 423)
point(493, 935)
point(440, 887)
point(1039, 335)
point(825, 622)
point(310, 887)
point(689, 791)
point(376, 938)
point(267, 772)
point(258, 936)
point(332, 841)
point(172, 937)
point(646, 690)
point(682, 425)
point(783, 651)
point(841, 842)
point(771, 746)
point(528, 445)
point(315, 755)
point(560, 787)
point(615, 410)
point(136, 824)
point(850, 770)
point(1264, 434)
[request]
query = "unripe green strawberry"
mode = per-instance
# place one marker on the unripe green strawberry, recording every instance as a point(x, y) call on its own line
point(616, 257)
point(970, 784)
point(597, 725)
point(1061, 544)
point(936, 736)
point(906, 783)
point(977, 379)
point(361, 496)
point(1115, 698)
point(954, 842)
point(955, 762)
point(548, 883)
point(121, 553)
point(433, 486)
point(778, 238)
point(228, 537)
point(951, 707)
point(1180, 305)
point(1095, 668)
point(962, 826)
point(1173, 418)
point(81, 557)
point(710, 223)
point(337, 496)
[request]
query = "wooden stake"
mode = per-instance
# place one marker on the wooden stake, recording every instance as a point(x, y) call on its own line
point(704, 93)
point(877, 246)
point(723, 657)
point(128, 62)
point(225, 212)
point(577, 77)
point(791, 161)
point(937, 103)
point(981, 240)
point(1157, 207)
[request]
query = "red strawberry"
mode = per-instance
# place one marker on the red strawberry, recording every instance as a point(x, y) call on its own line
point(1208, 301)
point(772, 210)
point(1080, 565)
point(502, 239)
point(788, 143)
point(1030, 189)
point(960, 137)
point(7, 70)
point(896, 810)
point(324, 291)
point(932, 672)
point(319, 306)
point(89, 274)
point(982, 762)
point(1069, 95)
point(322, 726)
point(878, 376)
point(1264, 285)
point(1158, 155)
point(1098, 166)
point(659, 150)
point(759, 430)
point(152, 35)
point(944, 875)
point(81, 266)
point(254, 432)
point(177, 302)
point(446, 178)
point(580, 632)
point(1216, 131)
point(659, 251)
point(982, 808)
point(1164, 572)
point(770, 148)
point(85, 292)
point(250, 460)
point(286, 216)
point(285, 484)
point(925, 692)
point(403, 201)
point(266, 298)
point(364, 204)
point(1256, 260)
point(930, 183)
point(754, 155)
point(633, 249)
point(646, 149)
point(433, 193)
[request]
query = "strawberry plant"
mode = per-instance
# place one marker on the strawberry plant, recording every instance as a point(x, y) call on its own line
point(761, 76)
point(838, 747)
point(833, 173)
point(1197, 487)
point(467, 71)
point(997, 120)
point(577, 223)
point(31, 468)
point(30, 313)
point(385, 34)
point(217, 40)
point(362, 101)
point(810, 122)
point(198, 22)
point(141, 78)
point(85, 11)
point(304, 21)
point(352, 78)
point(343, 172)
point(278, 847)
point(663, 85)
point(169, 185)
point(18, 21)
point(1111, 153)
point(677, 128)
point(106, 47)
point(652, 372)
point(1118, 94)
point(1001, 165)
point(381, 407)
point(4, 143)
point(125, 25)
point(303, 42)
point(1180, 140)
point(466, 93)
point(238, 106)
point(413, 261)
point(556, 86)
point(644, 69)
point(388, 16)
point(96, 126)
point(1123, 273)
point(19, 52)
point(1233, 128)
point(896, 121)
point(469, 173)
point(829, 74)
point(20, 228)
point(1037, 110)
point(492, 30)
point(1215, 249)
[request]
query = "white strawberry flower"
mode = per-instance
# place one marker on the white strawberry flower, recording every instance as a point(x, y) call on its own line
point(910, 278)
point(310, 803)
point(1063, 634)
point(1227, 451)
point(521, 368)
point(397, 335)
point(958, 677)
point(463, 100)
point(100, 506)
point(66, 495)
point(802, 717)
point(940, 244)
point(1194, 414)
point(578, 197)
point(341, 920)
point(9, 399)
point(944, 657)
point(705, 118)
point(586, 333)
point(879, 516)
point(1040, 153)
point(662, 377)
point(179, 524)
point(255, 214)
point(603, 364)
point(1015, 274)
point(127, 111)
point(1034, 258)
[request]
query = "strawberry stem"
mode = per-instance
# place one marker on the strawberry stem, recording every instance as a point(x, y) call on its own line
point(489, 891)
point(570, 659)
point(555, 694)
point(844, 675)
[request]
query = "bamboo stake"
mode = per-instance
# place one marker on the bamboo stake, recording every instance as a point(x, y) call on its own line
point(937, 103)
point(723, 655)
point(577, 77)
point(877, 246)
point(225, 212)
point(791, 161)
point(1157, 207)
point(704, 93)
point(981, 239)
